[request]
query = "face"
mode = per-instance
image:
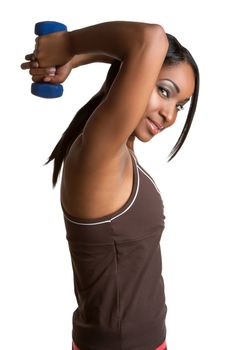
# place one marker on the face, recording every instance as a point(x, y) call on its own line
point(174, 87)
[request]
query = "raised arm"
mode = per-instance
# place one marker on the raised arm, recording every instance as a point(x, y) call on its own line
point(83, 59)
point(141, 47)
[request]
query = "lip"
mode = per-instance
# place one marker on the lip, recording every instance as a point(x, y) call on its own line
point(154, 126)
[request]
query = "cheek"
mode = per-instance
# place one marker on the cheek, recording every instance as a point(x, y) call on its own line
point(152, 103)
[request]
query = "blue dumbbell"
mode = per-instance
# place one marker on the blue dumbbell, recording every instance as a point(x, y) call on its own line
point(47, 90)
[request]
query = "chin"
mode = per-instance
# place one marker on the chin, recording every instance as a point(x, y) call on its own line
point(142, 132)
point(144, 136)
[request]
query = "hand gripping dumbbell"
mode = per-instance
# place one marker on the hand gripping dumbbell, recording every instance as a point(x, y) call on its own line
point(47, 90)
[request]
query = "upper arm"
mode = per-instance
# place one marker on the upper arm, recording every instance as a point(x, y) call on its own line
point(114, 120)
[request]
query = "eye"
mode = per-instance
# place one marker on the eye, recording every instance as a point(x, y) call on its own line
point(179, 107)
point(163, 91)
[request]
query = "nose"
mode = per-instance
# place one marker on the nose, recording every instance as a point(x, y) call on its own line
point(168, 113)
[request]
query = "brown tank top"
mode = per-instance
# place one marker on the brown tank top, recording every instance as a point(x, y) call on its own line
point(117, 269)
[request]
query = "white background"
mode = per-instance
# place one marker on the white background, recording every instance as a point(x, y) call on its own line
point(37, 299)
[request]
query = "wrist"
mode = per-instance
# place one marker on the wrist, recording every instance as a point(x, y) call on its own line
point(75, 61)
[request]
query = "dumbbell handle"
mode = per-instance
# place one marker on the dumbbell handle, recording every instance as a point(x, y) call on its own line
point(47, 90)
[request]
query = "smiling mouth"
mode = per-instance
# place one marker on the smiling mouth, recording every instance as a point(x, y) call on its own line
point(154, 127)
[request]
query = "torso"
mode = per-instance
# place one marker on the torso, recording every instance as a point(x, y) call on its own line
point(89, 191)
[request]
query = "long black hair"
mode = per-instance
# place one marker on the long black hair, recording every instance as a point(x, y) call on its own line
point(176, 53)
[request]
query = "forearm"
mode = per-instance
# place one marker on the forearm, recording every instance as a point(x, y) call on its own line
point(105, 41)
point(83, 59)
point(114, 39)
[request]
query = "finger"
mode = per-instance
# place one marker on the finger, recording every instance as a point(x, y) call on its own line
point(30, 57)
point(47, 79)
point(42, 78)
point(52, 79)
point(28, 65)
point(43, 71)
point(56, 79)
point(37, 78)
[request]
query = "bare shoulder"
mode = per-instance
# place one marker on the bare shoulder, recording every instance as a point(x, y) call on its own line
point(91, 188)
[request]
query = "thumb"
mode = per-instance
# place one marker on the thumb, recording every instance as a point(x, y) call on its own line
point(60, 75)
point(53, 80)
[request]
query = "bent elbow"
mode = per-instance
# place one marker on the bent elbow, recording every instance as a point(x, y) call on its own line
point(155, 36)
point(145, 37)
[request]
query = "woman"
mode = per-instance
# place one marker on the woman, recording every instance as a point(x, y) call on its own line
point(113, 210)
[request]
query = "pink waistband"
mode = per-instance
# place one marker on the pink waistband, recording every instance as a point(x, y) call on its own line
point(163, 346)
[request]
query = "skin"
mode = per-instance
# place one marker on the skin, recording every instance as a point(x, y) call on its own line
point(165, 101)
point(84, 167)
point(115, 181)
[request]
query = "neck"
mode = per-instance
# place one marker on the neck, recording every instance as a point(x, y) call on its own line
point(130, 142)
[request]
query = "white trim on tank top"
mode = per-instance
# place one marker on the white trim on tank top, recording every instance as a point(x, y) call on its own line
point(130, 205)
point(149, 177)
point(118, 215)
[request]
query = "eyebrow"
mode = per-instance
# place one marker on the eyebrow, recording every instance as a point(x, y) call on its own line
point(174, 84)
point(177, 89)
